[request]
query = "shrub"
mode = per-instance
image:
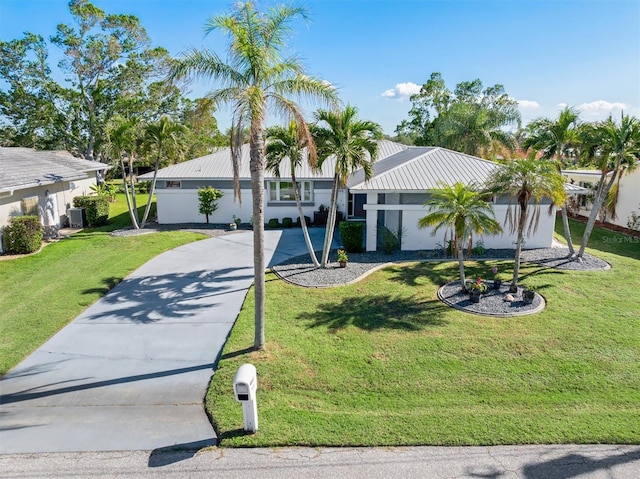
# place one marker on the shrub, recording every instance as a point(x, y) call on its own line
point(274, 223)
point(23, 235)
point(352, 235)
point(287, 222)
point(307, 220)
point(389, 240)
point(96, 209)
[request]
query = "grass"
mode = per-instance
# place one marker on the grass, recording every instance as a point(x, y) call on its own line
point(383, 362)
point(41, 293)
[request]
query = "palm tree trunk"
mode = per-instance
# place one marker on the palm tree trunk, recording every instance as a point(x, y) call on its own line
point(461, 263)
point(151, 191)
point(331, 219)
point(303, 222)
point(134, 220)
point(597, 203)
point(516, 266)
point(134, 204)
point(256, 166)
point(567, 231)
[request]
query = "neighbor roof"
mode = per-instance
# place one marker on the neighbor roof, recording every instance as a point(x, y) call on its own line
point(22, 168)
point(218, 165)
point(418, 169)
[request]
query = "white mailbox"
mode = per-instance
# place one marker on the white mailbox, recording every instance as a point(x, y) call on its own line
point(245, 386)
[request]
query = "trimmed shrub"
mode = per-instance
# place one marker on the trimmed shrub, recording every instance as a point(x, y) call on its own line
point(287, 222)
point(274, 223)
point(389, 240)
point(96, 209)
point(352, 235)
point(307, 220)
point(23, 235)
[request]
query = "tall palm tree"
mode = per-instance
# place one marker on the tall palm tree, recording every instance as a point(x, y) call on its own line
point(553, 137)
point(462, 209)
point(255, 79)
point(289, 143)
point(353, 143)
point(161, 137)
point(617, 151)
point(527, 182)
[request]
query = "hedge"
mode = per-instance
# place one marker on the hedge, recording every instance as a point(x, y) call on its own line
point(23, 235)
point(96, 209)
point(352, 235)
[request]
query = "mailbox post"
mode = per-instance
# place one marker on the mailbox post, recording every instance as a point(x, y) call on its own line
point(245, 385)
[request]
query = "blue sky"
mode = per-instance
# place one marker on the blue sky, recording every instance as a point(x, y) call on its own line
point(546, 53)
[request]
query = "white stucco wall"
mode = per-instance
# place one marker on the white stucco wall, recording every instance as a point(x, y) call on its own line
point(414, 238)
point(181, 206)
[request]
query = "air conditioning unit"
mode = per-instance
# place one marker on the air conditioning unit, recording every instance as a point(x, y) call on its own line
point(76, 217)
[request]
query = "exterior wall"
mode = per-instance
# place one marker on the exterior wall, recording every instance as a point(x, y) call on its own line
point(180, 205)
point(628, 195)
point(63, 194)
point(414, 239)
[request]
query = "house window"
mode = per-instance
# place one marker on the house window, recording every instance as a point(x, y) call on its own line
point(173, 184)
point(283, 191)
point(29, 206)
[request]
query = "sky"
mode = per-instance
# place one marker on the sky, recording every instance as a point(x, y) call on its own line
point(546, 53)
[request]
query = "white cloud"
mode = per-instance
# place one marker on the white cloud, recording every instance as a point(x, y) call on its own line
point(401, 91)
point(562, 105)
point(525, 104)
point(600, 107)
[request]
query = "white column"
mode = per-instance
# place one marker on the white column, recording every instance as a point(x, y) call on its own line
point(372, 221)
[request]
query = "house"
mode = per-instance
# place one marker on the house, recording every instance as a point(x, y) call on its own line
point(42, 183)
point(394, 197)
point(628, 193)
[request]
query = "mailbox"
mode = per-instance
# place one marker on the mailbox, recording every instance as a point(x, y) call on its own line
point(245, 385)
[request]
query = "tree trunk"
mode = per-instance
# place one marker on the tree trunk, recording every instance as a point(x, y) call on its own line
point(516, 266)
point(331, 219)
point(567, 231)
point(597, 203)
point(461, 262)
point(134, 220)
point(256, 165)
point(303, 222)
point(151, 191)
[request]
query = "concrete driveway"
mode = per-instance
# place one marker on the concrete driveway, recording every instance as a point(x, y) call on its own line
point(131, 372)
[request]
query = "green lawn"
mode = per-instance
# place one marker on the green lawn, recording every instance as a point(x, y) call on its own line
point(41, 293)
point(383, 362)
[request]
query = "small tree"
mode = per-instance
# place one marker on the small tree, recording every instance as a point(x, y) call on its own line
point(208, 198)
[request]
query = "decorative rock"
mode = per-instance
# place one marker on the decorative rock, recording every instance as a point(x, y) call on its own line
point(509, 297)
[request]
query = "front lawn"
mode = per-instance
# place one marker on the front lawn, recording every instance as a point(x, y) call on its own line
point(41, 293)
point(383, 362)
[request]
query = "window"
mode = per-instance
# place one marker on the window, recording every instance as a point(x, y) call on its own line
point(283, 191)
point(173, 184)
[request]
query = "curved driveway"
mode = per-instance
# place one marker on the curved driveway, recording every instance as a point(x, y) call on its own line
point(131, 372)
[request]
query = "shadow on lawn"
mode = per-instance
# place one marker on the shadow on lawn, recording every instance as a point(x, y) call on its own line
point(374, 312)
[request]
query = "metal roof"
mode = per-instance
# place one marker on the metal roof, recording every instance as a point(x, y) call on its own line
point(22, 168)
point(422, 169)
point(218, 165)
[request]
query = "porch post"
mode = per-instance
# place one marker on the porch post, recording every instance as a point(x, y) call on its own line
point(372, 221)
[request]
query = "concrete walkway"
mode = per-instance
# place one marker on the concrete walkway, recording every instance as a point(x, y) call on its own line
point(131, 372)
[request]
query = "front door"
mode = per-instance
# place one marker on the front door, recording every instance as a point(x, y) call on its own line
point(357, 205)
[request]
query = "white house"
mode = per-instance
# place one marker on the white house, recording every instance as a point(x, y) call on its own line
point(42, 183)
point(628, 192)
point(394, 197)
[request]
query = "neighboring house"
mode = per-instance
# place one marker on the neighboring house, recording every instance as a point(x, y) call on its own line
point(628, 193)
point(394, 197)
point(42, 183)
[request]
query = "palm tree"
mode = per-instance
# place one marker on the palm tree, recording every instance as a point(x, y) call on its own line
point(289, 143)
point(255, 78)
point(354, 145)
point(553, 137)
point(462, 209)
point(617, 151)
point(162, 137)
point(526, 182)
point(122, 141)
